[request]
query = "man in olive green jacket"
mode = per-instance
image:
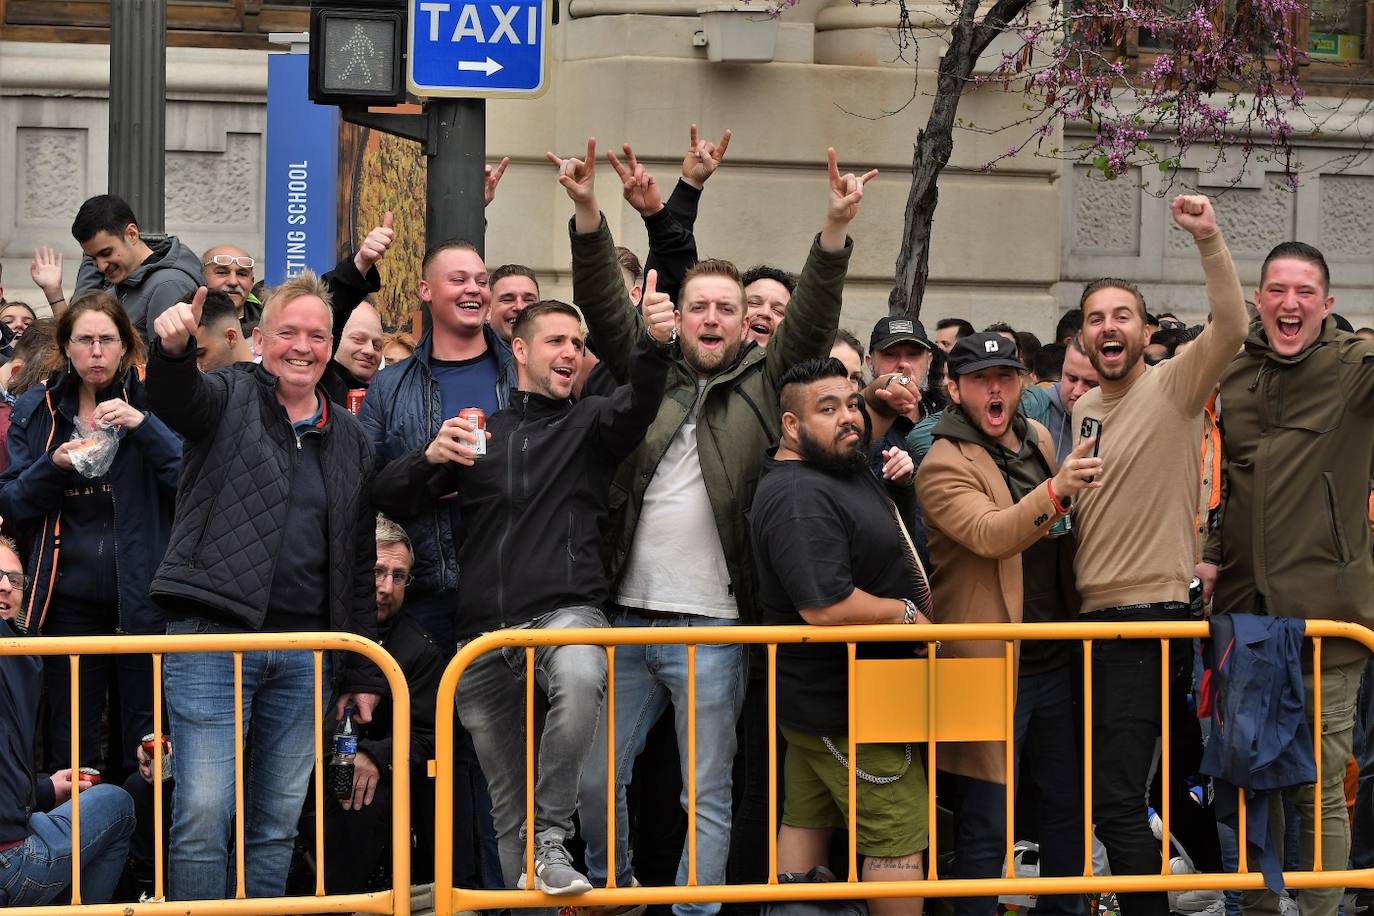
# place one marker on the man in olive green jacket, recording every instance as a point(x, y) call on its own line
point(1294, 538)
point(678, 544)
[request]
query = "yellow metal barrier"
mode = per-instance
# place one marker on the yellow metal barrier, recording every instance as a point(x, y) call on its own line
point(395, 901)
point(930, 700)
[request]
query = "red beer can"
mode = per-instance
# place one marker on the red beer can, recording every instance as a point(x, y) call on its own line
point(478, 418)
point(148, 745)
point(355, 400)
point(89, 774)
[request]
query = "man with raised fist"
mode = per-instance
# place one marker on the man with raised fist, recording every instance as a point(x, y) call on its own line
point(679, 548)
point(1136, 555)
point(269, 536)
point(229, 269)
point(540, 490)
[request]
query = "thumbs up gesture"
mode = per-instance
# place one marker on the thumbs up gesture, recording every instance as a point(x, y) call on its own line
point(658, 310)
point(178, 324)
point(375, 245)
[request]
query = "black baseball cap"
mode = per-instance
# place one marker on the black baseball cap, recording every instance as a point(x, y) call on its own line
point(889, 331)
point(982, 351)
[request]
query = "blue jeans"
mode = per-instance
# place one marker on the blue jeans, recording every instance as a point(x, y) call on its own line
point(646, 678)
point(40, 870)
point(279, 699)
point(491, 704)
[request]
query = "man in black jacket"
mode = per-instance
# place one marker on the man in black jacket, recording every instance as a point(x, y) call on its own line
point(538, 498)
point(35, 814)
point(351, 852)
point(273, 531)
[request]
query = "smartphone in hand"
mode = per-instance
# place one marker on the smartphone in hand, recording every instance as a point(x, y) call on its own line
point(1091, 429)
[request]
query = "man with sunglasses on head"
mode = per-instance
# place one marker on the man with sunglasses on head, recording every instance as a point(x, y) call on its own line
point(230, 269)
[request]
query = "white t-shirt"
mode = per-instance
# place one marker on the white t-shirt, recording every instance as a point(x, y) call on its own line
point(676, 563)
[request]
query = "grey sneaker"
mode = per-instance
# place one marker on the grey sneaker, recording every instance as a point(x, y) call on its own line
point(553, 871)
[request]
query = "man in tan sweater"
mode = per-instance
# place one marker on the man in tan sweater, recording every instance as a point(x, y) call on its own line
point(1136, 543)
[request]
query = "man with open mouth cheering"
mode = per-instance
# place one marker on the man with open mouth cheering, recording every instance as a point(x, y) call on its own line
point(1137, 536)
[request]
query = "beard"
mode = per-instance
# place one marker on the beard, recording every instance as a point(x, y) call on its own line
point(1133, 351)
point(834, 457)
point(709, 363)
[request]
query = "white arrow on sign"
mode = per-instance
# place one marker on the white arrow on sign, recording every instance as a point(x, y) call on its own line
point(487, 66)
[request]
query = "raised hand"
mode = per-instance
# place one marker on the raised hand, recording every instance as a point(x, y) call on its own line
point(703, 158)
point(577, 176)
point(374, 247)
point(1079, 471)
point(491, 177)
point(1194, 213)
point(658, 310)
point(178, 324)
point(46, 271)
point(641, 189)
point(454, 443)
point(845, 192)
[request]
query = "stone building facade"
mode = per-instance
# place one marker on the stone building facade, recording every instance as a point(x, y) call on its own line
point(1013, 245)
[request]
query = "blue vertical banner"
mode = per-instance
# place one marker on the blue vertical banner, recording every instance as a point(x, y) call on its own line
point(302, 173)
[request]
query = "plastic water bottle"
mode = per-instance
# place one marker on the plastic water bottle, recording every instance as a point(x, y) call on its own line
point(345, 751)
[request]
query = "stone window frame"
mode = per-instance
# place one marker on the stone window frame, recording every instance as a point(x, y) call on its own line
point(190, 23)
point(1315, 70)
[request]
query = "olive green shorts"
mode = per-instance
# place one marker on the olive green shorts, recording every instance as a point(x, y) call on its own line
point(891, 817)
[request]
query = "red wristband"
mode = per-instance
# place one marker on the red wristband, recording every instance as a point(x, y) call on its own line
point(1059, 507)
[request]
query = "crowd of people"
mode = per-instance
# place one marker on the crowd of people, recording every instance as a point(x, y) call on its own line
point(685, 444)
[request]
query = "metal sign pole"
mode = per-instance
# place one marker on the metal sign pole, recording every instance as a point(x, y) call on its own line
point(454, 178)
point(138, 100)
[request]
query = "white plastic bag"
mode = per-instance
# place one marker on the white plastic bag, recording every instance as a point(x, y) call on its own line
point(96, 444)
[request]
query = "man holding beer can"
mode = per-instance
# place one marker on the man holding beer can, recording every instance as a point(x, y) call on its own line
point(995, 509)
point(533, 509)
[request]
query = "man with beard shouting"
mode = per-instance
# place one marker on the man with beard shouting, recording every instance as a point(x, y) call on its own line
point(832, 552)
point(1136, 534)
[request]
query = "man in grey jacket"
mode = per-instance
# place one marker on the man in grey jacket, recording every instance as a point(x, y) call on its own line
point(147, 275)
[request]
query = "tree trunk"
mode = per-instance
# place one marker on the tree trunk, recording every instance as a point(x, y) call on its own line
point(968, 39)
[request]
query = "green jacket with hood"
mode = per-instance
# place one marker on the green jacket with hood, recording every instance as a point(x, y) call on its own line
point(739, 418)
point(1294, 538)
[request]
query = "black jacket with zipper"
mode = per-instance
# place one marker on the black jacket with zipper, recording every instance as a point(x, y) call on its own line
point(403, 411)
point(235, 489)
point(535, 505)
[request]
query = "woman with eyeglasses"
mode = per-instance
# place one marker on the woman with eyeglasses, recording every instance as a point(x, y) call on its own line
point(91, 545)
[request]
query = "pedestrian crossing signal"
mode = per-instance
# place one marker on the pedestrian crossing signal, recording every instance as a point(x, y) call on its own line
point(357, 50)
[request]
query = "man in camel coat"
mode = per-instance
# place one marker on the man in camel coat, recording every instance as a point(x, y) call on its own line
point(997, 512)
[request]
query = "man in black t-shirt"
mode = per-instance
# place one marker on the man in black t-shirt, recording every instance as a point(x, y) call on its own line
point(831, 551)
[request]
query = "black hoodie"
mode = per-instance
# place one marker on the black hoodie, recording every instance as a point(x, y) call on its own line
point(535, 505)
